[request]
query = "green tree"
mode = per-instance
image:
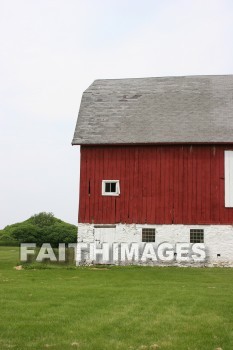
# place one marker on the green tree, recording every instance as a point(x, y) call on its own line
point(61, 233)
point(28, 233)
point(41, 228)
point(43, 219)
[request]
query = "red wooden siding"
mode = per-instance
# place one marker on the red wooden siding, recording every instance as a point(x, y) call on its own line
point(158, 185)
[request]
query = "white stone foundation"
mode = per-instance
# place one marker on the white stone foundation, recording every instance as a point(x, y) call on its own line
point(218, 240)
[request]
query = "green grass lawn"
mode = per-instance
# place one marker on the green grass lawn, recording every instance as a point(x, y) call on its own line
point(116, 308)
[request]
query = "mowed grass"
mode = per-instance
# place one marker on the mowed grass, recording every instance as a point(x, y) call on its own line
point(116, 308)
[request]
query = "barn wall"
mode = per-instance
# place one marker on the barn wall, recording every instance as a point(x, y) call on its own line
point(158, 184)
point(218, 240)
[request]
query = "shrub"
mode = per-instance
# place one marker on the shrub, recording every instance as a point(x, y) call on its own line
point(41, 228)
point(27, 233)
point(9, 243)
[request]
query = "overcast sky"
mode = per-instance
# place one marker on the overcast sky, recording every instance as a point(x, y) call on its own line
point(52, 50)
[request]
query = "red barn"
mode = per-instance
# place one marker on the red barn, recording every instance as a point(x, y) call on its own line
point(157, 162)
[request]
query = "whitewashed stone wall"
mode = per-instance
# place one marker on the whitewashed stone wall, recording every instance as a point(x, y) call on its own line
point(218, 239)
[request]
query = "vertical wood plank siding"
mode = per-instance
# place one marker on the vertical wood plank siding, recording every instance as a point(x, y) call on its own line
point(178, 184)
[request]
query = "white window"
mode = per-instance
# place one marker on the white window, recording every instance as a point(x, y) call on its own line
point(110, 188)
point(229, 179)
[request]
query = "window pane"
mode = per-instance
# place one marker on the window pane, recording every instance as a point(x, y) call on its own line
point(148, 235)
point(113, 187)
point(196, 236)
point(107, 187)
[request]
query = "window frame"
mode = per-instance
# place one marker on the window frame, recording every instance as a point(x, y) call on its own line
point(116, 193)
point(148, 229)
point(196, 232)
point(228, 178)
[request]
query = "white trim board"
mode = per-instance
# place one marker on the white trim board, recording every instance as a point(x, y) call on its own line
point(228, 156)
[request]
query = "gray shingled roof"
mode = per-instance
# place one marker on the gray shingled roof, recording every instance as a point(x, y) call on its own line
point(157, 110)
